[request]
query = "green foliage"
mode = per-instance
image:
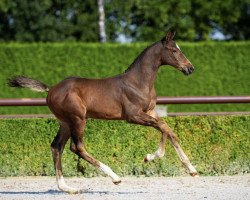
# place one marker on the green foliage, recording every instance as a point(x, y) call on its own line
point(48, 20)
point(220, 69)
point(140, 20)
point(215, 145)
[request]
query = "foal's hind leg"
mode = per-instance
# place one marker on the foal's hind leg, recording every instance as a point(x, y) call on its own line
point(57, 147)
point(77, 146)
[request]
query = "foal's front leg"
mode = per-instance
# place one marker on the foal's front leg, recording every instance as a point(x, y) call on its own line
point(173, 139)
point(161, 150)
point(151, 119)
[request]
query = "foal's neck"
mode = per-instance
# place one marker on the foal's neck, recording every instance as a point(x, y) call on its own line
point(144, 68)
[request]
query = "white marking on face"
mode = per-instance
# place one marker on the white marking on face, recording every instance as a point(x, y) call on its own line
point(178, 46)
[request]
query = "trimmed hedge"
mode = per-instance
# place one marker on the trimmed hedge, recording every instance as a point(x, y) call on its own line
point(215, 145)
point(222, 68)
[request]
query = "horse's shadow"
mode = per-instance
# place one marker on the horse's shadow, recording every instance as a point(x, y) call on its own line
point(57, 192)
point(30, 193)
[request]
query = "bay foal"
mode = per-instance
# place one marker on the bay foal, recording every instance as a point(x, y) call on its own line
point(129, 96)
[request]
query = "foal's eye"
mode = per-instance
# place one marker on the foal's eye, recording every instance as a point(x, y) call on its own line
point(174, 51)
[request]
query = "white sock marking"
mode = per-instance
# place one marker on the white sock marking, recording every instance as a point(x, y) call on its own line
point(63, 186)
point(158, 154)
point(107, 170)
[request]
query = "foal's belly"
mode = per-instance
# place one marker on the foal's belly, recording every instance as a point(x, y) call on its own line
point(104, 115)
point(107, 112)
point(103, 107)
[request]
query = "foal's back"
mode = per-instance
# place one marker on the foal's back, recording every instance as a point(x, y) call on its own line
point(83, 97)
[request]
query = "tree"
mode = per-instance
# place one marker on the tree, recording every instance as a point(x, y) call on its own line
point(239, 29)
point(224, 16)
point(101, 22)
point(48, 20)
point(193, 19)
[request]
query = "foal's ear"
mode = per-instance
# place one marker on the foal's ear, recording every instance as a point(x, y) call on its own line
point(170, 35)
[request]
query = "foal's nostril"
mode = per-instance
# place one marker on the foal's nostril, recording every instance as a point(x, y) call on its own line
point(187, 70)
point(191, 69)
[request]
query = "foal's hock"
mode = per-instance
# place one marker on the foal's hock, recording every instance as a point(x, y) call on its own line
point(129, 96)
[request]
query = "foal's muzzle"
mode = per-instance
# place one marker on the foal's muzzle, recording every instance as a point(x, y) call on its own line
point(188, 70)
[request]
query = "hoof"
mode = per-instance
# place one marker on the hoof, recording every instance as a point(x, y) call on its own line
point(77, 191)
point(117, 182)
point(65, 188)
point(145, 159)
point(194, 174)
point(72, 190)
point(148, 158)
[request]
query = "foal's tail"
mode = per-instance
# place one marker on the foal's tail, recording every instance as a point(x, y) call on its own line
point(24, 82)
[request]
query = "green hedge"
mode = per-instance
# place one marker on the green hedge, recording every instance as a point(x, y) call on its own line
point(215, 145)
point(221, 69)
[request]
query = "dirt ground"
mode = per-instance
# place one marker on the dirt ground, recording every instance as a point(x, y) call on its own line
point(155, 188)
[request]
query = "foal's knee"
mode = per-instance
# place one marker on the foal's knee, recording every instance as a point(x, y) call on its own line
point(173, 138)
point(77, 148)
point(54, 147)
point(55, 150)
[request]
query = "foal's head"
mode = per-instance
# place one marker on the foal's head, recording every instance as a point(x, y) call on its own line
point(172, 55)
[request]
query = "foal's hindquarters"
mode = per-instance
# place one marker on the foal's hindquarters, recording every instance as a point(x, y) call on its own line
point(71, 111)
